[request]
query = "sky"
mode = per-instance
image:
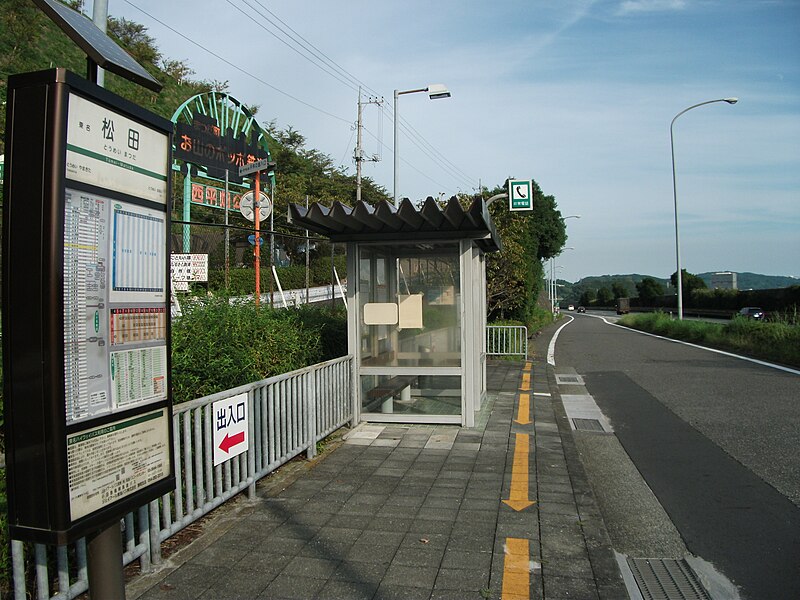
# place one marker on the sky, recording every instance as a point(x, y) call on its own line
point(578, 95)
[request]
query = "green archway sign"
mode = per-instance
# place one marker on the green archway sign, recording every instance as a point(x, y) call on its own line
point(215, 134)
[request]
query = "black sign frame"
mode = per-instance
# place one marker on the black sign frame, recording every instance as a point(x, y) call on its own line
point(36, 426)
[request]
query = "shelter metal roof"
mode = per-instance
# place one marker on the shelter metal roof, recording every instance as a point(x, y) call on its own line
point(385, 222)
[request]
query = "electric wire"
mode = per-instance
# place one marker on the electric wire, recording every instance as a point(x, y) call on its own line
point(412, 134)
point(287, 44)
point(237, 67)
point(314, 50)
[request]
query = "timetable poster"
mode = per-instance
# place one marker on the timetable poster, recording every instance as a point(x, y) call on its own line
point(115, 321)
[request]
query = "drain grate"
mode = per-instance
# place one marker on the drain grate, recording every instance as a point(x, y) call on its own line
point(569, 380)
point(666, 579)
point(588, 425)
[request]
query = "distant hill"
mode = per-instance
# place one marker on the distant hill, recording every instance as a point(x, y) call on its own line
point(754, 281)
point(571, 292)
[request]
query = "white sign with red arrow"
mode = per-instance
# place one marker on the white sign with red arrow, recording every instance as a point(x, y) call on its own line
point(230, 418)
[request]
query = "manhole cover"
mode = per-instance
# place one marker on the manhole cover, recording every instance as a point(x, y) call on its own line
point(588, 425)
point(666, 579)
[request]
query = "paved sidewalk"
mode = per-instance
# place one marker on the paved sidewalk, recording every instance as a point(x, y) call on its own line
point(502, 510)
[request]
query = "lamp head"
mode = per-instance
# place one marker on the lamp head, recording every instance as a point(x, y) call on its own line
point(438, 90)
point(731, 100)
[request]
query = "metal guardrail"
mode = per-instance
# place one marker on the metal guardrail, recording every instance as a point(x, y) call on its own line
point(289, 414)
point(507, 340)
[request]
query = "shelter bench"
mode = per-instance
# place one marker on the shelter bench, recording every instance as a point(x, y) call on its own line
point(386, 391)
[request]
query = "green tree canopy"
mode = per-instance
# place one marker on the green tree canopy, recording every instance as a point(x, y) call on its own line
point(515, 274)
point(649, 289)
point(605, 297)
point(619, 290)
point(689, 282)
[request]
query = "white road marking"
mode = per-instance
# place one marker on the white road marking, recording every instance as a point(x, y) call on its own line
point(551, 349)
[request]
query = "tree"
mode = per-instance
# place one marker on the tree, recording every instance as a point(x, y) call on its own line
point(605, 297)
point(689, 282)
point(515, 274)
point(619, 290)
point(134, 38)
point(587, 297)
point(176, 69)
point(649, 289)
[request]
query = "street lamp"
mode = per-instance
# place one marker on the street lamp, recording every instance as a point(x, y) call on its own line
point(553, 287)
point(675, 198)
point(553, 278)
point(435, 92)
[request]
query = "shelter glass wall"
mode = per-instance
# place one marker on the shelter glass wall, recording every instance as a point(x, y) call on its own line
point(410, 339)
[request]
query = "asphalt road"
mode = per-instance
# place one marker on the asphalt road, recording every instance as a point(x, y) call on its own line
point(716, 439)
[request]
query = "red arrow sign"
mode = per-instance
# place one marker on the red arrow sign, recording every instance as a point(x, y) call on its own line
point(229, 441)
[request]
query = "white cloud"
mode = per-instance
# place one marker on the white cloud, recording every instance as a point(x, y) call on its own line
point(640, 6)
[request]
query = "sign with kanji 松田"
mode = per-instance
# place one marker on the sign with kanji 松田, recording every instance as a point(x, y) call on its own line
point(230, 424)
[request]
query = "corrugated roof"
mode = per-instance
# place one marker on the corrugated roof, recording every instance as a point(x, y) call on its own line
point(385, 222)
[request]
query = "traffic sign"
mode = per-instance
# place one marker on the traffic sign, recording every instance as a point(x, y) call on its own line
point(252, 239)
point(248, 211)
point(520, 194)
point(230, 428)
point(258, 165)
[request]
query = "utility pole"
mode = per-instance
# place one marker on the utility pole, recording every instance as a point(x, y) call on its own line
point(359, 153)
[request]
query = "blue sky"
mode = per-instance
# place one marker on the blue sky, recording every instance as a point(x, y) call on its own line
point(576, 95)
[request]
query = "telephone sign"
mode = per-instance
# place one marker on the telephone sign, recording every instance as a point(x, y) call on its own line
point(520, 194)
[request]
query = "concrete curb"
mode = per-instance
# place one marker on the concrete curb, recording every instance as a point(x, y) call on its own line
point(608, 578)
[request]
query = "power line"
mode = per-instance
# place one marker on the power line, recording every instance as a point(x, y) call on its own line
point(322, 61)
point(237, 67)
point(314, 50)
point(323, 67)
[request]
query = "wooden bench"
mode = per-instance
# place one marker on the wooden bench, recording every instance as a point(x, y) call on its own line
point(389, 389)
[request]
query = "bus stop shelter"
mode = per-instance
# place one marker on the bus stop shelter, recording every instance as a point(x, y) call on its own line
point(416, 305)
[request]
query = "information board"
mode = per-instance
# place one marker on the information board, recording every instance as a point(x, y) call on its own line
point(86, 287)
point(114, 305)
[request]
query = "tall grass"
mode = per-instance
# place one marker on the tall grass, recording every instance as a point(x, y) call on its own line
point(774, 341)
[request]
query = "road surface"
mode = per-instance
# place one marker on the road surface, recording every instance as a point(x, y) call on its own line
point(715, 438)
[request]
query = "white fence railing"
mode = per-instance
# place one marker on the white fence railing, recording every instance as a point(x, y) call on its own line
point(289, 414)
point(507, 340)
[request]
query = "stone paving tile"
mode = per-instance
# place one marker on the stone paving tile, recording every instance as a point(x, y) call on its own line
point(390, 591)
point(368, 572)
point(350, 590)
point(474, 579)
point(370, 554)
point(467, 559)
point(267, 562)
point(410, 575)
point(563, 588)
point(289, 586)
point(303, 566)
point(428, 526)
point(419, 556)
point(415, 512)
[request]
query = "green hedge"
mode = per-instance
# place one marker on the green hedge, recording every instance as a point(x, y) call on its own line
point(777, 342)
point(217, 345)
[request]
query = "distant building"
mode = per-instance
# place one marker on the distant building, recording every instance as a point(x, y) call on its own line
point(725, 280)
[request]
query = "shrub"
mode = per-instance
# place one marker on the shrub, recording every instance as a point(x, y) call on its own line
point(217, 345)
point(779, 342)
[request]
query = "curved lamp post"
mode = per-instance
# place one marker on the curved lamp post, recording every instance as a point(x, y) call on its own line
point(675, 197)
point(553, 286)
point(554, 277)
point(435, 91)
